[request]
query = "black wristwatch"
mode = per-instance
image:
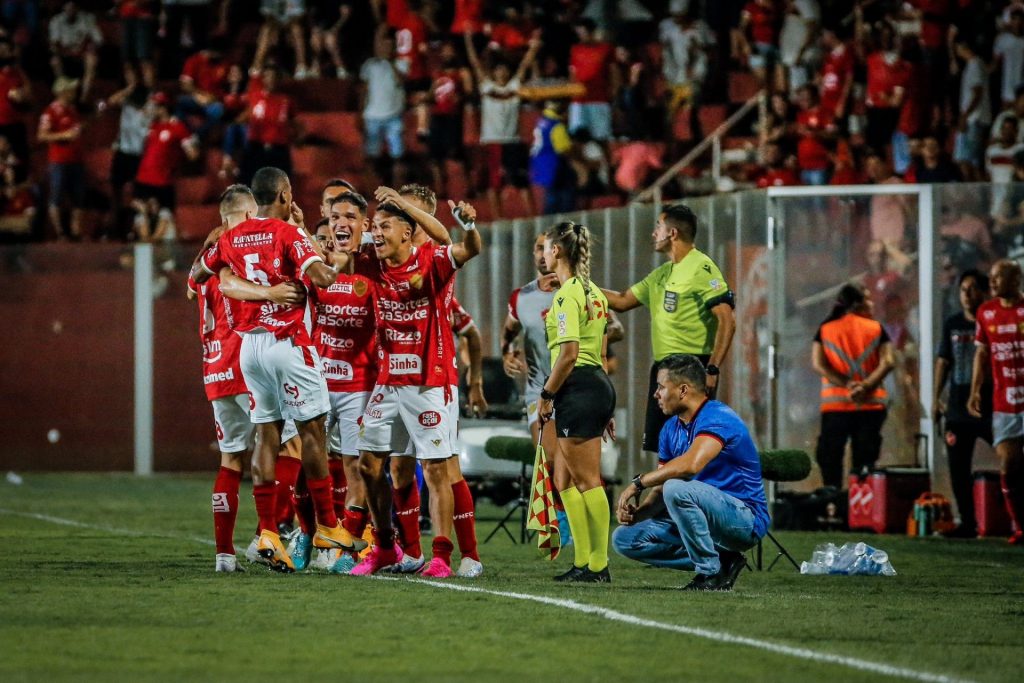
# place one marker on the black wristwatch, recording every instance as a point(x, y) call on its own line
point(638, 483)
point(712, 370)
point(547, 395)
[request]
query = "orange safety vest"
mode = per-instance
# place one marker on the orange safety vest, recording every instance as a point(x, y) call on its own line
point(852, 346)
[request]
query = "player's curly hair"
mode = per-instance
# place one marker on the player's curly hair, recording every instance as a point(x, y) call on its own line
point(421, 192)
point(574, 240)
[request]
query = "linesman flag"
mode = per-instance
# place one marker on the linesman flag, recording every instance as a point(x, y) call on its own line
point(543, 519)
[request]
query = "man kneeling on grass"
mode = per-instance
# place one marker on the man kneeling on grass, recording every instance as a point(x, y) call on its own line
point(706, 503)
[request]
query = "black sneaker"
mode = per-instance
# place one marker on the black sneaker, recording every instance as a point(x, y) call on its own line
point(732, 565)
point(697, 584)
point(589, 576)
point(573, 574)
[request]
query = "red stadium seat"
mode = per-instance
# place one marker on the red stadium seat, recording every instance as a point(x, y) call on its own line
point(339, 127)
point(196, 190)
point(742, 86)
point(195, 221)
point(711, 116)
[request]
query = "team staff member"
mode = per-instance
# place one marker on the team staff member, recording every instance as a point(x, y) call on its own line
point(1000, 351)
point(581, 392)
point(707, 502)
point(691, 307)
point(853, 355)
point(955, 362)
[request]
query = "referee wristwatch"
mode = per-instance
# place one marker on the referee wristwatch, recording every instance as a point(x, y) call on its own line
point(712, 370)
point(638, 483)
point(547, 395)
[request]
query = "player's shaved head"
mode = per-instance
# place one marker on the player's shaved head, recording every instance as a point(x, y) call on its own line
point(1005, 279)
point(236, 199)
point(267, 185)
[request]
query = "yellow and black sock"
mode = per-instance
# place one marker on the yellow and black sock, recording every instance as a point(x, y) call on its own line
point(576, 512)
point(598, 514)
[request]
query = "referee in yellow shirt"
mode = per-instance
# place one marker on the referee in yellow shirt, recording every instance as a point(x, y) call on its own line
point(581, 395)
point(691, 307)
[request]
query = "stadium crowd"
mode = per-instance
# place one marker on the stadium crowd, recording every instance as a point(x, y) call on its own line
point(535, 105)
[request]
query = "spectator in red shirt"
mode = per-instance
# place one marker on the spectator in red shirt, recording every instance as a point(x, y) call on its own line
point(778, 170)
point(451, 83)
point(202, 84)
point(814, 126)
point(411, 60)
point(835, 79)
point(591, 63)
point(756, 41)
point(271, 121)
point(935, 18)
point(138, 31)
point(60, 127)
point(161, 154)
point(913, 109)
point(15, 97)
point(886, 86)
point(468, 14)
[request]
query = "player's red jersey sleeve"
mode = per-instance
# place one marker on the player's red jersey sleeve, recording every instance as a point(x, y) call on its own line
point(213, 260)
point(980, 335)
point(513, 303)
point(461, 319)
point(442, 263)
point(299, 249)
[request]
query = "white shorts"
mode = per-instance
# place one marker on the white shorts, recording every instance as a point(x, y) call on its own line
point(234, 430)
point(1006, 426)
point(397, 418)
point(285, 380)
point(343, 421)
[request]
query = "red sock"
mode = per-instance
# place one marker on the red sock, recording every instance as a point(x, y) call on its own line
point(339, 486)
point(286, 472)
point(303, 503)
point(323, 501)
point(407, 509)
point(265, 496)
point(355, 520)
point(225, 509)
point(442, 548)
point(1013, 502)
point(465, 520)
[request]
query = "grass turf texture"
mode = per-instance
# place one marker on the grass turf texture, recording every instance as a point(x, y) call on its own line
point(90, 604)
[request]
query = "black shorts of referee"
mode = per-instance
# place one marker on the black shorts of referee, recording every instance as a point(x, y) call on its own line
point(585, 403)
point(655, 418)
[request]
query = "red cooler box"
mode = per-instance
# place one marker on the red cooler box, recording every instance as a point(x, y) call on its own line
point(989, 507)
point(882, 501)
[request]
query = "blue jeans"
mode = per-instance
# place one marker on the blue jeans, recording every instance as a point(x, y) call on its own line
point(900, 152)
point(699, 520)
point(211, 114)
point(380, 130)
point(815, 177)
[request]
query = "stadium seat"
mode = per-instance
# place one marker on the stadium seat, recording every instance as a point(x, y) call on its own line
point(681, 128)
point(338, 127)
point(195, 221)
point(742, 86)
point(195, 190)
point(711, 116)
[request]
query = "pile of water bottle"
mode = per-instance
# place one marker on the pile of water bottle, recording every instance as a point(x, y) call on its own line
point(851, 559)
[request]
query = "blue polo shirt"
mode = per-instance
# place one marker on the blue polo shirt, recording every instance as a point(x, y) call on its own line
point(737, 468)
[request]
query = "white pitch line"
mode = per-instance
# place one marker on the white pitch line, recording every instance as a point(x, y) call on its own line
point(100, 527)
point(603, 612)
point(717, 636)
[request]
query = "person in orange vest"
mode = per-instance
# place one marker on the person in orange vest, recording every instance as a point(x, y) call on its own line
point(853, 355)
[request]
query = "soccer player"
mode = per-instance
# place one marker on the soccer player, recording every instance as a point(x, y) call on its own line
point(1000, 346)
point(281, 368)
point(225, 388)
point(579, 389)
point(410, 401)
point(333, 188)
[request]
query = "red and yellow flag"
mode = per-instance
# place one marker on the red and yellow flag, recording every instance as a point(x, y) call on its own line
point(542, 518)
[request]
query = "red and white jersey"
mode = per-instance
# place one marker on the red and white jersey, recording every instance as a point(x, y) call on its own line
point(413, 302)
point(344, 333)
point(1001, 329)
point(461, 322)
point(221, 374)
point(266, 251)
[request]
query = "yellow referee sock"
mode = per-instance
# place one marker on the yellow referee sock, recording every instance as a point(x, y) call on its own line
point(598, 514)
point(576, 512)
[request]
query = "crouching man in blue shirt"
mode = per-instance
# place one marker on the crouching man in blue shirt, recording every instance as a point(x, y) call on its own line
point(706, 503)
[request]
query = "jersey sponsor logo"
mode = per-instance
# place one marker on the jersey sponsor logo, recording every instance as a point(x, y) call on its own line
point(404, 311)
point(332, 342)
point(340, 288)
point(707, 268)
point(342, 315)
point(375, 414)
point(671, 301)
point(291, 390)
point(561, 325)
point(338, 370)
point(404, 364)
point(436, 442)
point(252, 240)
point(715, 284)
point(1009, 328)
point(214, 377)
point(403, 336)
point(430, 418)
point(1014, 395)
point(220, 502)
point(377, 398)
point(300, 248)
point(1013, 373)
point(988, 315)
point(212, 351)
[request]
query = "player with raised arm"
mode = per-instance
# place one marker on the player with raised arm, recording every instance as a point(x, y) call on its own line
point(410, 401)
point(281, 368)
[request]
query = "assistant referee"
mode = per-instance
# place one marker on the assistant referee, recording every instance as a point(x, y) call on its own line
point(582, 395)
point(691, 307)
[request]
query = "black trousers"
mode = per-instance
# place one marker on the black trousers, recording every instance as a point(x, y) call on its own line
point(862, 428)
point(654, 419)
point(960, 439)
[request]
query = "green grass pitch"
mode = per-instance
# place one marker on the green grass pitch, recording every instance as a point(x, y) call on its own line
point(130, 594)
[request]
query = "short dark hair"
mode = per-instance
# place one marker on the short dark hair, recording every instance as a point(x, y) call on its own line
point(230, 198)
point(682, 219)
point(267, 184)
point(338, 182)
point(353, 198)
point(392, 209)
point(979, 278)
point(685, 367)
point(322, 223)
